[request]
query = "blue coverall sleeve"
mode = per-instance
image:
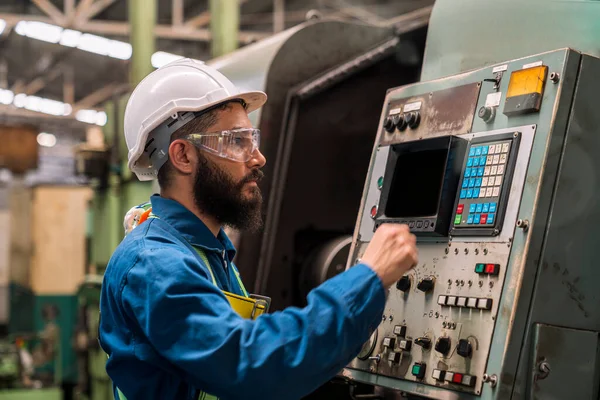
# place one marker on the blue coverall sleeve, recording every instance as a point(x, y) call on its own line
point(283, 355)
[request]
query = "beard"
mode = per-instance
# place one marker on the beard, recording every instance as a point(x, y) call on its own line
point(217, 194)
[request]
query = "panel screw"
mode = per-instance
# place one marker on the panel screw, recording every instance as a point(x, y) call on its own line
point(491, 379)
point(523, 224)
point(554, 77)
point(391, 318)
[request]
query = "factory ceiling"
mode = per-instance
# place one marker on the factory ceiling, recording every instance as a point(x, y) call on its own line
point(54, 55)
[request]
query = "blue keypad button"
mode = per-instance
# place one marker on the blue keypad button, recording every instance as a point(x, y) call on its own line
point(476, 162)
point(482, 160)
point(478, 182)
point(467, 172)
point(479, 208)
point(472, 182)
point(478, 151)
point(480, 171)
point(490, 219)
point(470, 219)
point(470, 162)
point(465, 183)
point(475, 193)
point(477, 218)
point(486, 207)
point(472, 208)
point(492, 207)
point(484, 150)
point(472, 152)
point(469, 193)
point(463, 194)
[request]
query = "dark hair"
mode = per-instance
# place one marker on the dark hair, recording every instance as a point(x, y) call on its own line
point(199, 124)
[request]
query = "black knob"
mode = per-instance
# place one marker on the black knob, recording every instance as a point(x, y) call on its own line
point(423, 342)
point(426, 285)
point(401, 124)
point(443, 345)
point(413, 119)
point(464, 348)
point(389, 125)
point(403, 284)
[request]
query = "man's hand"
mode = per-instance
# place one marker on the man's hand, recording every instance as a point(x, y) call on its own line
point(392, 252)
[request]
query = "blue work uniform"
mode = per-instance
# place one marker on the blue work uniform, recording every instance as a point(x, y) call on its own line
point(169, 331)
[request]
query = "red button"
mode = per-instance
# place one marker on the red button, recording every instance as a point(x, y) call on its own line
point(483, 219)
point(460, 209)
point(373, 211)
point(492, 269)
point(457, 378)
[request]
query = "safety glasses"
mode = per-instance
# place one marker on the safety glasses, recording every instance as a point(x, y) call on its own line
point(237, 144)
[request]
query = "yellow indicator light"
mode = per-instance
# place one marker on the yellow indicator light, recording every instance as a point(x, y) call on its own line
point(525, 91)
point(527, 81)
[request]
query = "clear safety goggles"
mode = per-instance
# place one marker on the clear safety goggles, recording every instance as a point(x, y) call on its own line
point(237, 144)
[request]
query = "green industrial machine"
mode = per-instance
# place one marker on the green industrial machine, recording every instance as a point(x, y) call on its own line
point(492, 161)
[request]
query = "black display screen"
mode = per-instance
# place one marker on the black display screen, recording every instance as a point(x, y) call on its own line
point(416, 184)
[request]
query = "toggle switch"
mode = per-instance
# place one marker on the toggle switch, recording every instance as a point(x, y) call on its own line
point(426, 285)
point(443, 345)
point(403, 284)
point(464, 349)
point(424, 342)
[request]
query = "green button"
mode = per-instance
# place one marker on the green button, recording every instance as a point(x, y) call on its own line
point(457, 219)
point(479, 268)
point(380, 182)
point(416, 370)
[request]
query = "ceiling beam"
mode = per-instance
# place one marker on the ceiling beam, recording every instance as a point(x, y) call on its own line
point(177, 12)
point(81, 11)
point(97, 8)
point(50, 9)
point(69, 9)
point(203, 18)
point(100, 95)
point(68, 84)
point(122, 29)
point(41, 81)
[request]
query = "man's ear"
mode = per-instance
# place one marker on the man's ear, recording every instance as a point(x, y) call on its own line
point(183, 156)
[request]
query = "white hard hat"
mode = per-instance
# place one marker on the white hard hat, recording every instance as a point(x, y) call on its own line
point(167, 99)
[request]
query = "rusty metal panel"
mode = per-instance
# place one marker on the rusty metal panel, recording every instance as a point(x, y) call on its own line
point(19, 149)
point(443, 112)
point(564, 364)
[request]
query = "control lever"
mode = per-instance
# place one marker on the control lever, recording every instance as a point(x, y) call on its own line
point(376, 358)
point(424, 342)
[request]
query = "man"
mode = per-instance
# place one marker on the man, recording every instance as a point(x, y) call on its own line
point(168, 324)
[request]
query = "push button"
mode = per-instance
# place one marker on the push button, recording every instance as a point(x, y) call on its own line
point(457, 219)
point(442, 300)
point(490, 220)
point(478, 151)
point(470, 219)
point(485, 207)
point(418, 370)
point(460, 208)
point(476, 193)
point(470, 162)
point(476, 162)
point(484, 304)
point(484, 218)
point(479, 207)
point(461, 302)
point(394, 357)
point(492, 207)
point(449, 376)
point(389, 342)
point(471, 151)
point(457, 378)
point(405, 345)
point(400, 330)
point(438, 375)
point(451, 301)
point(480, 268)
point(472, 302)
point(480, 171)
point(468, 380)
point(492, 269)
point(472, 208)
point(469, 193)
point(484, 150)
point(465, 183)
point(477, 219)
point(463, 194)
point(468, 173)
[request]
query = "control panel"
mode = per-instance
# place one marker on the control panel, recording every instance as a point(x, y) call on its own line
point(451, 165)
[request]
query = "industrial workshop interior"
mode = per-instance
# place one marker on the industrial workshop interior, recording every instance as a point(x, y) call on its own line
point(299, 199)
